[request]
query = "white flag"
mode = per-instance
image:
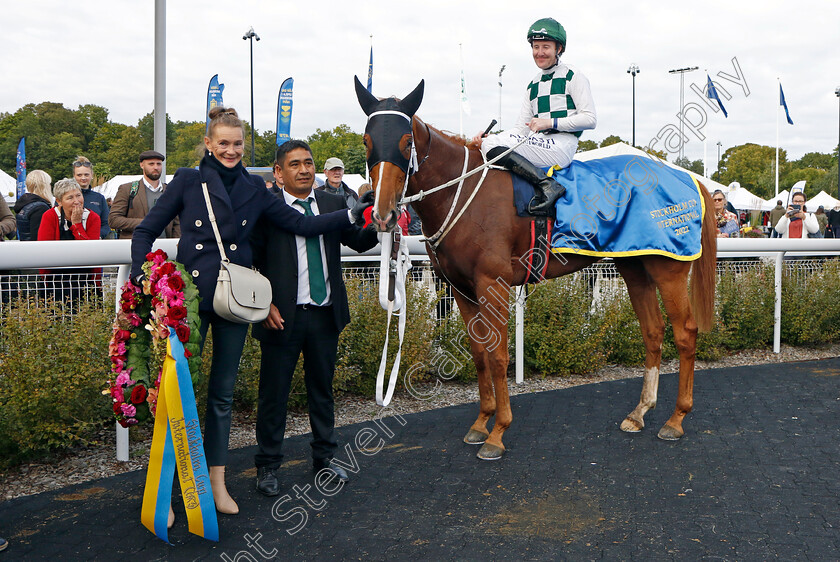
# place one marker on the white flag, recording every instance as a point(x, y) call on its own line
point(465, 103)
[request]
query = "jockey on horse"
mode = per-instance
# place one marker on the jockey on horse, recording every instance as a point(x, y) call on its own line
point(558, 105)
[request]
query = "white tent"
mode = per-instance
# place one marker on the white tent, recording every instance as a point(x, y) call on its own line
point(771, 203)
point(822, 198)
point(109, 188)
point(8, 186)
point(623, 149)
point(742, 199)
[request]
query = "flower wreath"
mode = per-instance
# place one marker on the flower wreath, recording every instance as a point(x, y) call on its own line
point(168, 298)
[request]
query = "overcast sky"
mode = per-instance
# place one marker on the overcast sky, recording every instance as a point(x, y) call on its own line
point(102, 52)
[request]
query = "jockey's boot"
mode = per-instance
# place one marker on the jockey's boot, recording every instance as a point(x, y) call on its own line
point(547, 188)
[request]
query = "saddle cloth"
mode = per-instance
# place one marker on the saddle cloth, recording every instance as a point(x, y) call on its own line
point(623, 206)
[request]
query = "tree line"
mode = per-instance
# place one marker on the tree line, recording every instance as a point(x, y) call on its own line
point(55, 135)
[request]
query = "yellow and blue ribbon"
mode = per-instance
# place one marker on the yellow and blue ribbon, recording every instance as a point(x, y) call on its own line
point(177, 446)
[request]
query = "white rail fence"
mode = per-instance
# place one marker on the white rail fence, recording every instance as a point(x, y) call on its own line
point(114, 256)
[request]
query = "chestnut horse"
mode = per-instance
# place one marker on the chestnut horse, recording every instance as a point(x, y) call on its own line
point(484, 254)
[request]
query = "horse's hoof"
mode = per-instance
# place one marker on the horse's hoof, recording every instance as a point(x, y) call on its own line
point(632, 426)
point(668, 433)
point(490, 452)
point(474, 437)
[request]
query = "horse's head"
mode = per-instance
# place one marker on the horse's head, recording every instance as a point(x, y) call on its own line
point(389, 147)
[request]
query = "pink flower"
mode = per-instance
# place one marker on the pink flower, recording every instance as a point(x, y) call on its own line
point(128, 410)
point(123, 380)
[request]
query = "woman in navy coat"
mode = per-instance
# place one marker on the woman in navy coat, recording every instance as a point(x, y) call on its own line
point(238, 200)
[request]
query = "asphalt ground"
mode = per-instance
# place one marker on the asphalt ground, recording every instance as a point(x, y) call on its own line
point(756, 477)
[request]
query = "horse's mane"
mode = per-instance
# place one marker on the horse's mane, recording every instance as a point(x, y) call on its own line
point(452, 137)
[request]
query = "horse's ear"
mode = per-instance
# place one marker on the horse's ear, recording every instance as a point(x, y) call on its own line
point(367, 100)
point(412, 101)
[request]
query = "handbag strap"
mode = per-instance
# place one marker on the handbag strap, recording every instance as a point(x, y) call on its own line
point(213, 222)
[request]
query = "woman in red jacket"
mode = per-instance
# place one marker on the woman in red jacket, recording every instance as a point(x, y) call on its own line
point(69, 220)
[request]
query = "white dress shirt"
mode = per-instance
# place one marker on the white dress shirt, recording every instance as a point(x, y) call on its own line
point(303, 296)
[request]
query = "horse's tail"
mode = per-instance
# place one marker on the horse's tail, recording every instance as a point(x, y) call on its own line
point(703, 270)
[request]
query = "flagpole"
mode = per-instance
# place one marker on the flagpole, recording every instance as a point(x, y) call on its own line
point(706, 138)
point(461, 93)
point(777, 140)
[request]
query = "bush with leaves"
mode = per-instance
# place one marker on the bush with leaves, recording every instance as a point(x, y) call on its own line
point(51, 373)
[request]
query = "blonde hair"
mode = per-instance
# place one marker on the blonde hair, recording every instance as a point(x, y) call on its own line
point(225, 116)
point(63, 187)
point(38, 182)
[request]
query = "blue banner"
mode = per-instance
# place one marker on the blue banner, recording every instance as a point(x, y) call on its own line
point(20, 168)
point(712, 94)
point(784, 104)
point(214, 97)
point(284, 111)
point(370, 72)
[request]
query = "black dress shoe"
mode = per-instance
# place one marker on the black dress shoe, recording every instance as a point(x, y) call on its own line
point(267, 483)
point(330, 464)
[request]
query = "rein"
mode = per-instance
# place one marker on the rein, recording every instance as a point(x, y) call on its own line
point(435, 239)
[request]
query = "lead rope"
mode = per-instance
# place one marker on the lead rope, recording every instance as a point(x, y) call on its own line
point(394, 263)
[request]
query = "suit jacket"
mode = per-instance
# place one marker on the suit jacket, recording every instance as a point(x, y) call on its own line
point(236, 214)
point(126, 220)
point(275, 255)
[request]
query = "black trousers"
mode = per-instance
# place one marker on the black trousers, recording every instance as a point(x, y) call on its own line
point(228, 341)
point(314, 334)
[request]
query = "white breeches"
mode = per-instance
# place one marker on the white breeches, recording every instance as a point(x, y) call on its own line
point(540, 149)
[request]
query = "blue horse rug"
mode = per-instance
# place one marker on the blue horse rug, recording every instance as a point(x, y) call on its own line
point(623, 206)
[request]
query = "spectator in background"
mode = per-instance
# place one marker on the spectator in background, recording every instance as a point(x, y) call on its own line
point(35, 202)
point(7, 220)
point(133, 200)
point(797, 222)
point(822, 220)
point(94, 201)
point(834, 221)
point(777, 213)
point(727, 222)
point(70, 220)
point(334, 172)
point(415, 227)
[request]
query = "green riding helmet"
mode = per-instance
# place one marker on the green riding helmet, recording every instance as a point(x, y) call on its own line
point(547, 29)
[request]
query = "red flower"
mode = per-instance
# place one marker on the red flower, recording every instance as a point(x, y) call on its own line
point(177, 313)
point(122, 335)
point(123, 423)
point(175, 282)
point(126, 306)
point(138, 395)
point(118, 409)
point(151, 255)
point(166, 269)
point(183, 333)
point(187, 353)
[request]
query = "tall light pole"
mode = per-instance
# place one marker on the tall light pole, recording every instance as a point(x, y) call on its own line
point(717, 166)
point(500, 96)
point(837, 92)
point(681, 72)
point(251, 35)
point(634, 70)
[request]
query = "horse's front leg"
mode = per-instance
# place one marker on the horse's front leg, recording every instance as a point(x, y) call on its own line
point(478, 433)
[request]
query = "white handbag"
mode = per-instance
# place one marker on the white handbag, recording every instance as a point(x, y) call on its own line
point(242, 294)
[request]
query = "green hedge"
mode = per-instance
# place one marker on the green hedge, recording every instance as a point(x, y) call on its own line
point(53, 368)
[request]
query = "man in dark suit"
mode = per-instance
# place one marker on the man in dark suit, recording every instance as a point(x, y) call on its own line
point(134, 199)
point(308, 311)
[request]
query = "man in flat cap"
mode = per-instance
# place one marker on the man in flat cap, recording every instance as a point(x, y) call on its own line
point(134, 199)
point(334, 172)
